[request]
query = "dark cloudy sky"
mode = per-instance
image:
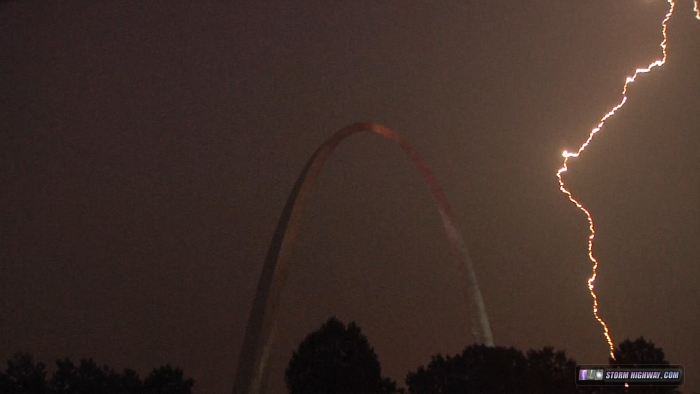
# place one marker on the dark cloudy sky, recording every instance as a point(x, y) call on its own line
point(147, 149)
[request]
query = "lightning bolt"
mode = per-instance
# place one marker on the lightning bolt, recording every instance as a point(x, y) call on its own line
point(569, 155)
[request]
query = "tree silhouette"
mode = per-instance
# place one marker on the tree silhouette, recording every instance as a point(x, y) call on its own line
point(336, 359)
point(5, 383)
point(23, 376)
point(482, 369)
point(477, 369)
point(638, 352)
point(167, 380)
point(85, 378)
point(550, 371)
point(129, 382)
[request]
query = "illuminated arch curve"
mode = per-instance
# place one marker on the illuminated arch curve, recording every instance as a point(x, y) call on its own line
point(253, 359)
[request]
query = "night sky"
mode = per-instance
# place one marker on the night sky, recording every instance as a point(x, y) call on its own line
point(147, 150)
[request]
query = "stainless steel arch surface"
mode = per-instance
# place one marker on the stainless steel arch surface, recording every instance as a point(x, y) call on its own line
point(260, 332)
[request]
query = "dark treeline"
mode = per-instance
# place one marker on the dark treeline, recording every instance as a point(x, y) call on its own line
point(339, 359)
point(24, 376)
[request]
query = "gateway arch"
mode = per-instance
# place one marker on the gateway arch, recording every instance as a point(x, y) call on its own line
point(259, 336)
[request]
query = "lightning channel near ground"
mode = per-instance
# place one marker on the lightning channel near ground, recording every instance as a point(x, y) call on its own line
point(629, 80)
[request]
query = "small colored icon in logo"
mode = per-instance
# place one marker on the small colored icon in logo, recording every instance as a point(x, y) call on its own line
point(590, 374)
